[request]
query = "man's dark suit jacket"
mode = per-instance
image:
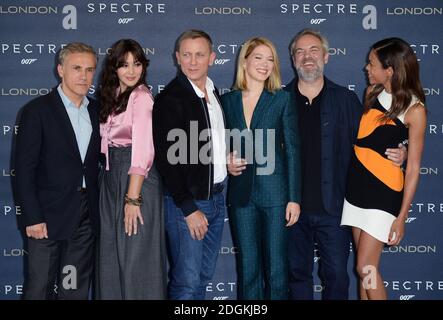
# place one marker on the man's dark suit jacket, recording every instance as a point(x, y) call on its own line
point(340, 113)
point(49, 168)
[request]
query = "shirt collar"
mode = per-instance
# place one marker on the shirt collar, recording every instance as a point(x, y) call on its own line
point(209, 87)
point(299, 95)
point(68, 103)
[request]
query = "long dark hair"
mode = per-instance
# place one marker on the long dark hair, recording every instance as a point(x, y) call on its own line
point(405, 83)
point(110, 102)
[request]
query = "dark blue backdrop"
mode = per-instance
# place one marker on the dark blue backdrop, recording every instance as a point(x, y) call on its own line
point(33, 31)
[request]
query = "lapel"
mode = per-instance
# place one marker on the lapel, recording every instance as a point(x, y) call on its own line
point(237, 111)
point(326, 115)
point(64, 122)
point(263, 103)
point(95, 135)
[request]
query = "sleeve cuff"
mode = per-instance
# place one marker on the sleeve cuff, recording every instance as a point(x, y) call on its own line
point(138, 171)
point(30, 221)
point(188, 206)
point(295, 198)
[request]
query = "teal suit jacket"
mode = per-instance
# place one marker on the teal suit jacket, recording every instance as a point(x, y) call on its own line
point(273, 135)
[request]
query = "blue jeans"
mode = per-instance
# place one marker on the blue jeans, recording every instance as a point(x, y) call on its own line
point(192, 262)
point(333, 244)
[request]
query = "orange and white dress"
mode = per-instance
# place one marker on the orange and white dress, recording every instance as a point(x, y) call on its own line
point(374, 189)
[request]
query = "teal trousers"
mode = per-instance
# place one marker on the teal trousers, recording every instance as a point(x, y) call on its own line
point(260, 236)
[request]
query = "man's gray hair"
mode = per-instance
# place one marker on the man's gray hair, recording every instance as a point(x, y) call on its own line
point(75, 47)
point(311, 32)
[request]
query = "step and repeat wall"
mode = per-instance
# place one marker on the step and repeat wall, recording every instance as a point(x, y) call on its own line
point(32, 32)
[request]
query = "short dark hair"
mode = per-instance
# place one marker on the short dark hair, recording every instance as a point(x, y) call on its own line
point(193, 34)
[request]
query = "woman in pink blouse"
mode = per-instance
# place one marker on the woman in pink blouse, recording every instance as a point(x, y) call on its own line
point(131, 258)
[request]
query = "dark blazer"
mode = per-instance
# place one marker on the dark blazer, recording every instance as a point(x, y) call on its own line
point(278, 187)
point(49, 169)
point(177, 107)
point(340, 113)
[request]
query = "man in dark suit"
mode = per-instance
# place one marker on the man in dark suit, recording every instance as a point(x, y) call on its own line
point(57, 158)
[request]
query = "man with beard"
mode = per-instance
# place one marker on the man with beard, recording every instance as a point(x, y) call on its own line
point(329, 117)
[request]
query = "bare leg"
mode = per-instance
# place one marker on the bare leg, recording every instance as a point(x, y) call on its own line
point(368, 258)
point(356, 236)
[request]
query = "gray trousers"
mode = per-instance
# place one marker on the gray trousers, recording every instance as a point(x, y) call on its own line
point(130, 267)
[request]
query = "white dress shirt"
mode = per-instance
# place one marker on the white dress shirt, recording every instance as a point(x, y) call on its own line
point(217, 130)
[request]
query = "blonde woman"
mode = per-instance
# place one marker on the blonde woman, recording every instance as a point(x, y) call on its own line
point(263, 197)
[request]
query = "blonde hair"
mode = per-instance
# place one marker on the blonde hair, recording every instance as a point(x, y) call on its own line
point(273, 83)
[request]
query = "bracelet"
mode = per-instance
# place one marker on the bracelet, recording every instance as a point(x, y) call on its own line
point(135, 202)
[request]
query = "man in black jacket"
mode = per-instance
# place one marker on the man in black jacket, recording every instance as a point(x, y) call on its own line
point(56, 166)
point(190, 154)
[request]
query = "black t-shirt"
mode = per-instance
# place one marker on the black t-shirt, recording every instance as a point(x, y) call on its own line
point(310, 134)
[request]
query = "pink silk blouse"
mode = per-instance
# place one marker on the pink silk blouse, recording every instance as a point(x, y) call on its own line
point(132, 128)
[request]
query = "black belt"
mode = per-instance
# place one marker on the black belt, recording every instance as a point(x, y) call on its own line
point(218, 187)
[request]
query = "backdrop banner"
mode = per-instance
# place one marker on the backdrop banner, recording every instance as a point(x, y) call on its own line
point(32, 32)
